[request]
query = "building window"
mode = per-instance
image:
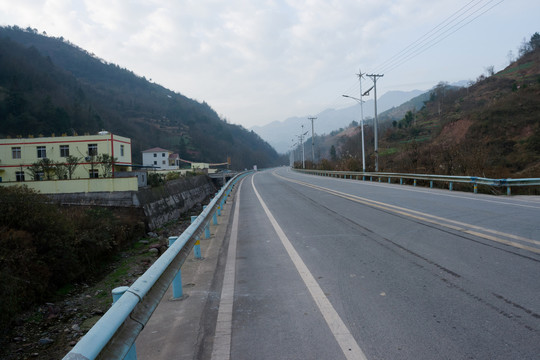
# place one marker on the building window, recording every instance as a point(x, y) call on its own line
point(162, 154)
point(39, 176)
point(19, 176)
point(94, 174)
point(163, 162)
point(64, 150)
point(155, 162)
point(121, 150)
point(92, 149)
point(41, 152)
point(16, 152)
point(155, 155)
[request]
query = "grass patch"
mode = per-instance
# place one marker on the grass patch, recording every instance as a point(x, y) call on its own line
point(119, 274)
point(419, 139)
point(388, 151)
point(520, 67)
point(36, 317)
point(63, 291)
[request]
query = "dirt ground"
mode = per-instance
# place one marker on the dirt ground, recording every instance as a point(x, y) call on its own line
point(50, 330)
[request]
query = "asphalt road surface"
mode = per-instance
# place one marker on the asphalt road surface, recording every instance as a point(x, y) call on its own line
point(324, 268)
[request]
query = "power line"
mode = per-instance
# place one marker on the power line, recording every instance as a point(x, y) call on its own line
point(419, 40)
point(439, 35)
point(440, 32)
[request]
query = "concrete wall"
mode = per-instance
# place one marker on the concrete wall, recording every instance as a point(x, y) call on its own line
point(168, 202)
point(159, 205)
point(80, 185)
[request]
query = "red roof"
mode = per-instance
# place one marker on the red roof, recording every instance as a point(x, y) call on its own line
point(156, 149)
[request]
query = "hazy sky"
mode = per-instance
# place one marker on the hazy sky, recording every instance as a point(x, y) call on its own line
point(260, 61)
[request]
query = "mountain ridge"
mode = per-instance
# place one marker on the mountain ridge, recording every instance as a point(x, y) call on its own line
point(280, 133)
point(48, 85)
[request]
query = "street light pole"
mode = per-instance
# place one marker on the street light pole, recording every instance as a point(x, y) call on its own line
point(312, 118)
point(303, 147)
point(292, 153)
point(362, 125)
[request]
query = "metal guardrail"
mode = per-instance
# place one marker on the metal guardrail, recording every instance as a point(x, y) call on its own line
point(113, 336)
point(475, 181)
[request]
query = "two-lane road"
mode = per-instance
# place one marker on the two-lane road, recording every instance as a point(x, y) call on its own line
point(321, 268)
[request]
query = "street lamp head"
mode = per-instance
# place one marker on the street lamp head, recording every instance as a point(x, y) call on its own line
point(352, 97)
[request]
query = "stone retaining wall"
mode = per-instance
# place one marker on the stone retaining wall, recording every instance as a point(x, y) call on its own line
point(160, 204)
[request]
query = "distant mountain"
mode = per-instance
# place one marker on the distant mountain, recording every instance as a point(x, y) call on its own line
point(48, 85)
point(398, 112)
point(280, 133)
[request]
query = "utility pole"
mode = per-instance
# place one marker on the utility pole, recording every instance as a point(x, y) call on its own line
point(312, 118)
point(292, 153)
point(360, 75)
point(376, 125)
point(303, 148)
point(301, 137)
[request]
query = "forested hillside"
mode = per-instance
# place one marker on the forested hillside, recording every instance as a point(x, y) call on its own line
point(49, 86)
point(490, 128)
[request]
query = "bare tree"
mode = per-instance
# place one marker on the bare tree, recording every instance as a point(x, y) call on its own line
point(60, 170)
point(44, 167)
point(106, 162)
point(71, 164)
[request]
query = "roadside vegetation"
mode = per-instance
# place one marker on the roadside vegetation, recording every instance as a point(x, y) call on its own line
point(45, 247)
point(490, 128)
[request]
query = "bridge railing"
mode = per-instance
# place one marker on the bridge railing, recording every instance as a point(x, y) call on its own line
point(114, 335)
point(473, 180)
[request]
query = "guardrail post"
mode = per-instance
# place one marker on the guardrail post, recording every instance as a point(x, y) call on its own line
point(508, 191)
point(475, 188)
point(371, 178)
point(197, 246)
point(414, 184)
point(214, 218)
point(400, 181)
point(177, 281)
point(207, 226)
point(450, 186)
point(364, 178)
point(431, 184)
point(389, 180)
point(379, 179)
point(117, 294)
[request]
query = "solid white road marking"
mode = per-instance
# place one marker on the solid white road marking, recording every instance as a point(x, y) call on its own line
point(346, 341)
point(222, 339)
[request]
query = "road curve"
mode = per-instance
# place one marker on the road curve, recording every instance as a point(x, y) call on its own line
point(328, 268)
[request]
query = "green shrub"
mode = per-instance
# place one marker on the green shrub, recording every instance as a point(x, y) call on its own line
point(155, 179)
point(172, 176)
point(44, 247)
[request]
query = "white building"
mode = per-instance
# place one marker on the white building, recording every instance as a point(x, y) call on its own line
point(160, 159)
